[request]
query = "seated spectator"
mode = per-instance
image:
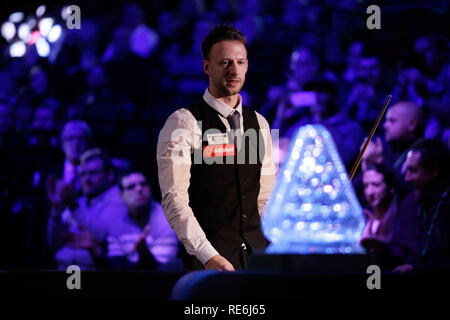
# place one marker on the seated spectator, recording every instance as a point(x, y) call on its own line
point(380, 194)
point(424, 79)
point(41, 163)
point(369, 89)
point(42, 152)
point(412, 85)
point(436, 77)
point(434, 49)
point(305, 66)
point(403, 126)
point(353, 54)
point(75, 139)
point(43, 119)
point(321, 108)
point(77, 227)
point(421, 239)
point(142, 238)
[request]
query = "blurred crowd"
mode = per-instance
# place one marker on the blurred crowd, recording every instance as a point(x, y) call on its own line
point(78, 129)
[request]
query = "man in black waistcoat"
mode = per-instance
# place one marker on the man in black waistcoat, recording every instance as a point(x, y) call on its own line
point(215, 163)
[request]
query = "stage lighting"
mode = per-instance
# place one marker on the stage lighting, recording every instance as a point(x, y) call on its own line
point(42, 47)
point(40, 11)
point(8, 30)
point(55, 33)
point(65, 12)
point(40, 30)
point(17, 49)
point(16, 17)
point(45, 26)
point(24, 32)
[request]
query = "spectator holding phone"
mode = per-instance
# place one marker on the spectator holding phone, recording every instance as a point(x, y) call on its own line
point(305, 65)
point(318, 104)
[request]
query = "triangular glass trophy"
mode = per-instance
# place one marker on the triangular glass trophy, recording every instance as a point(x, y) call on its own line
point(313, 208)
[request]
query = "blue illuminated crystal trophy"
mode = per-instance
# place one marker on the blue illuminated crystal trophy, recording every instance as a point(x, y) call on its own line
point(313, 208)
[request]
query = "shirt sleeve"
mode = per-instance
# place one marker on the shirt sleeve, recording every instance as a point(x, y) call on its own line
point(176, 142)
point(268, 170)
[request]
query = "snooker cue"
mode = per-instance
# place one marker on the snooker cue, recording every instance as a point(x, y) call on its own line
point(372, 132)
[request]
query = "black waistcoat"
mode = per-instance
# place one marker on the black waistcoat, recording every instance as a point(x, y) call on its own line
point(223, 196)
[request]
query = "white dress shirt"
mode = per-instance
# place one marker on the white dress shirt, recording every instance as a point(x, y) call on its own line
point(178, 138)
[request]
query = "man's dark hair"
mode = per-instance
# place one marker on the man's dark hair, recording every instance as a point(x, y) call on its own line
point(433, 155)
point(388, 175)
point(218, 34)
point(126, 173)
point(97, 153)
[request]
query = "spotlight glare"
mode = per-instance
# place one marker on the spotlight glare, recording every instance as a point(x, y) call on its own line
point(55, 33)
point(42, 47)
point(17, 49)
point(45, 25)
point(8, 30)
point(31, 23)
point(40, 11)
point(16, 17)
point(65, 12)
point(24, 32)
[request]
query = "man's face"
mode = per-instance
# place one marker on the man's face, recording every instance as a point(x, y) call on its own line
point(305, 65)
point(369, 70)
point(397, 125)
point(420, 178)
point(44, 119)
point(94, 178)
point(375, 188)
point(136, 191)
point(74, 143)
point(226, 68)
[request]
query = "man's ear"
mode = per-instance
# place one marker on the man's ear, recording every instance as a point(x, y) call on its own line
point(206, 67)
point(413, 124)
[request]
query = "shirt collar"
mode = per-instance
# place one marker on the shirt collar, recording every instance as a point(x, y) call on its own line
point(221, 107)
